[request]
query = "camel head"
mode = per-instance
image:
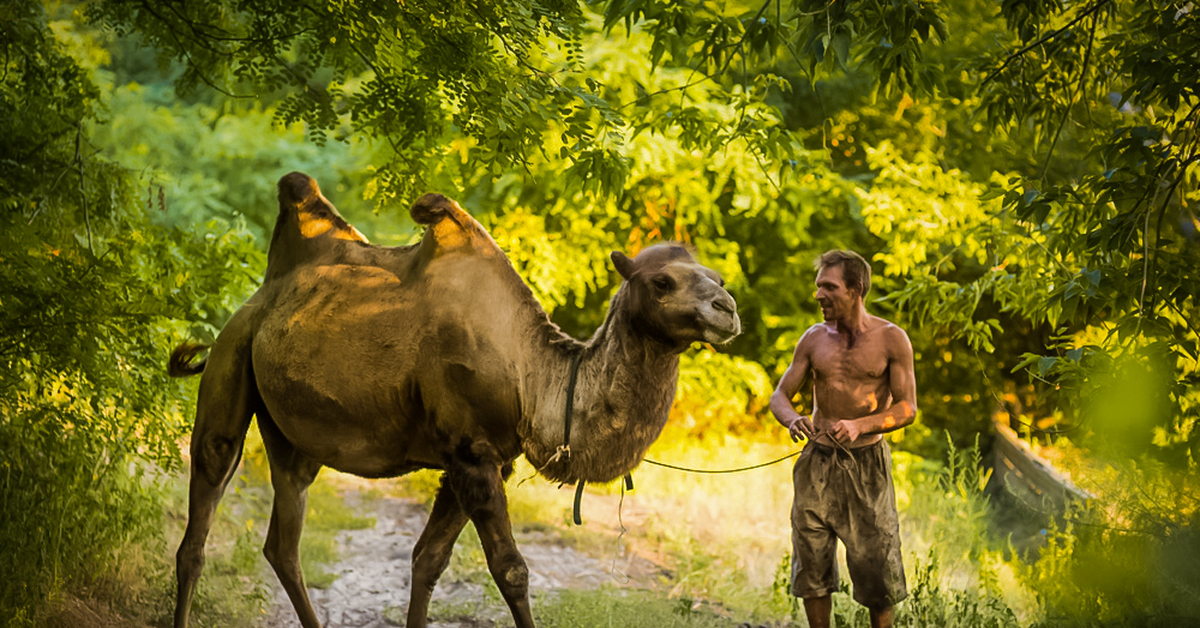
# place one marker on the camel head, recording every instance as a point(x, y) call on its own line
point(675, 299)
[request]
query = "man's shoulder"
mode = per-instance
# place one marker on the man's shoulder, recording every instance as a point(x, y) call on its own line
point(883, 324)
point(818, 331)
point(892, 333)
point(812, 338)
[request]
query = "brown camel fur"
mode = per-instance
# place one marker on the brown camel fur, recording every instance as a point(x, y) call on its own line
point(379, 361)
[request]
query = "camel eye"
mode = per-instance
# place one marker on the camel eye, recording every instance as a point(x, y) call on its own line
point(664, 283)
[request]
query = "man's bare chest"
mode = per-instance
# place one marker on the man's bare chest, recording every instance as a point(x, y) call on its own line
point(856, 365)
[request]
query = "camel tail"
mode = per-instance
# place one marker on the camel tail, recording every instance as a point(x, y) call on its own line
point(432, 208)
point(181, 364)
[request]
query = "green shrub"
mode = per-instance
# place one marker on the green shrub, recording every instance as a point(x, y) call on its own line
point(67, 507)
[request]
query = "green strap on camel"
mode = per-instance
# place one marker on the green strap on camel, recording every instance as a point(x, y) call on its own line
point(576, 517)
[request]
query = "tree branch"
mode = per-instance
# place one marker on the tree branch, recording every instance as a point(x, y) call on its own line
point(1013, 57)
point(704, 77)
point(87, 219)
point(1087, 57)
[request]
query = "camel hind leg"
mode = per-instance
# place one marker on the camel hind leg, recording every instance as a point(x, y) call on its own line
point(291, 475)
point(226, 403)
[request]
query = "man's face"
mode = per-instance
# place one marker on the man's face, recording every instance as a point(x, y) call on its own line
point(836, 300)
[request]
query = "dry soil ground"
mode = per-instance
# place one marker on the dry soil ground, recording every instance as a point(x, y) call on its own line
point(372, 585)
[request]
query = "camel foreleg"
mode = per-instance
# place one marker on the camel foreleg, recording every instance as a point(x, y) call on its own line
point(291, 475)
point(432, 552)
point(480, 490)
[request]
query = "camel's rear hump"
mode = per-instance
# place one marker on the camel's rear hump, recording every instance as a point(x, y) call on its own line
point(451, 227)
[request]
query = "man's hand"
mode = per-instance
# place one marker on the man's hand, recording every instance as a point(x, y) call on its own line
point(845, 431)
point(801, 427)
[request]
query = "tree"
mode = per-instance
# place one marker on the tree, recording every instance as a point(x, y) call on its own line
point(92, 295)
point(1092, 237)
point(1098, 211)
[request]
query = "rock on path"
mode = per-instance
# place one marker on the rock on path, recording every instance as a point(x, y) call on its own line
point(373, 577)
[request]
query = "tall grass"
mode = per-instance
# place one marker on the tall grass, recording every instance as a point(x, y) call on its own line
point(723, 544)
point(1130, 558)
point(135, 541)
point(71, 511)
point(725, 538)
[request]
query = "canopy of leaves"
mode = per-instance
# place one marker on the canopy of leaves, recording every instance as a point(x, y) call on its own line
point(1025, 170)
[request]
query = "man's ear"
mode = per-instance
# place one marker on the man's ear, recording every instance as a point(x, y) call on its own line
point(624, 265)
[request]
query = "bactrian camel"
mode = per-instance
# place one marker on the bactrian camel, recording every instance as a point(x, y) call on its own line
point(378, 361)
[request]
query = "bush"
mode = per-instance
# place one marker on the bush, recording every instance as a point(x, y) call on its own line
point(69, 506)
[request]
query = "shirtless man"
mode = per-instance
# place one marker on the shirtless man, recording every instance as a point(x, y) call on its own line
point(861, 368)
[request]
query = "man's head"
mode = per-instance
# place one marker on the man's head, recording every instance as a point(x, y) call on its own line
point(843, 279)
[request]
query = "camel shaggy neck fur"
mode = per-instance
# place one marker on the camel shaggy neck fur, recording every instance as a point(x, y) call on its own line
point(378, 361)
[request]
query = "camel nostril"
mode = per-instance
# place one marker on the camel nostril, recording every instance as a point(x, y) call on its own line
point(723, 306)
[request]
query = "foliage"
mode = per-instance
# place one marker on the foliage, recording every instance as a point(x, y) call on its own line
point(1091, 230)
point(1088, 229)
point(92, 294)
point(403, 72)
point(933, 604)
point(1098, 250)
point(198, 162)
point(1120, 559)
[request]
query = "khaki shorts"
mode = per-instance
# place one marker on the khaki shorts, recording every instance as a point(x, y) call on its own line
point(847, 496)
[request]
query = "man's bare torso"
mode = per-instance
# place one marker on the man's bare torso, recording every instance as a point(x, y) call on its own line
point(850, 375)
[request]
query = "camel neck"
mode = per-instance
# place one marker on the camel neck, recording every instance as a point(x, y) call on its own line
point(624, 389)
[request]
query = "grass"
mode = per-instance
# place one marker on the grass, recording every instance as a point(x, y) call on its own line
point(714, 550)
point(719, 537)
point(724, 541)
point(721, 544)
point(624, 608)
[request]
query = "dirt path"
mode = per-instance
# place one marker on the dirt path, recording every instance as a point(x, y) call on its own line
point(372, 585)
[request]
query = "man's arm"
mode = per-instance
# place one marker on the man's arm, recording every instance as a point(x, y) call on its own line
point(781, 400)
point(902, 384)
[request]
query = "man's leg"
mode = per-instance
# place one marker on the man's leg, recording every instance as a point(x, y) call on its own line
point(882, 617)
point(873, 539)
point(819, 609)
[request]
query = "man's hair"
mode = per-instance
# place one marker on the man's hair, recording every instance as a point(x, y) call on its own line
point(856, 272)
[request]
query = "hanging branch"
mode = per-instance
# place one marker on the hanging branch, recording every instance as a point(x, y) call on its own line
point(1087, 57)
point(1043, 39)
point(692, 83)
point(87, 219)
point(1151, 255)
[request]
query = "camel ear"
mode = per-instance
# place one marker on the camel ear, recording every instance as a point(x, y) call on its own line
point(624, 265)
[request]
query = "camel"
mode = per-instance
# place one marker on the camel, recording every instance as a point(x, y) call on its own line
point(378, 361)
